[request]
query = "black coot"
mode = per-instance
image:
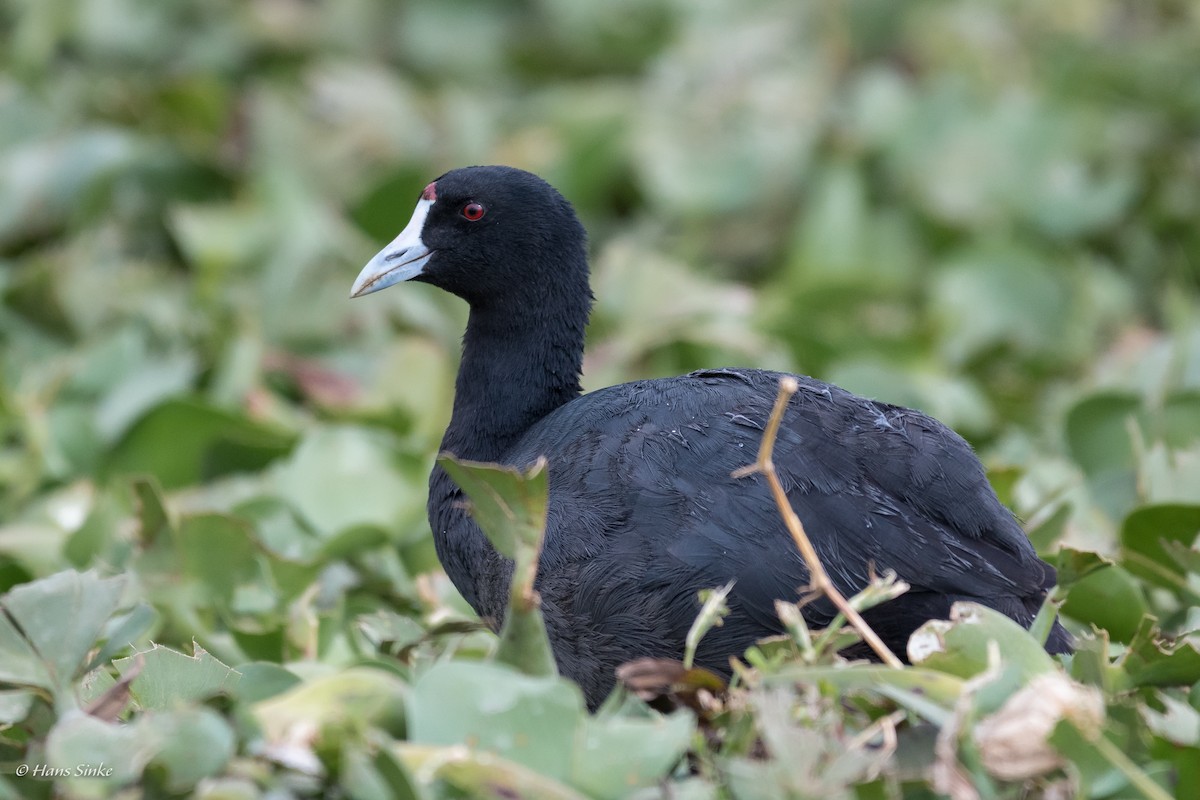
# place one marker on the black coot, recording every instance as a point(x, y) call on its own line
point(643, 511)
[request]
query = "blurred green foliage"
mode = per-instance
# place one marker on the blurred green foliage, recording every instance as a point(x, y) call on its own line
point(987, 210)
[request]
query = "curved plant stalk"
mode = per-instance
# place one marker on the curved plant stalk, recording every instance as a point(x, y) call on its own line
point(819, 578)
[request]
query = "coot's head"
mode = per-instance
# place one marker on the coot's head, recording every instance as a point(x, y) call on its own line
point(491, 235)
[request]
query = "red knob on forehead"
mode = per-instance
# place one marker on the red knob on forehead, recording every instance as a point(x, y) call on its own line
point(430, 192)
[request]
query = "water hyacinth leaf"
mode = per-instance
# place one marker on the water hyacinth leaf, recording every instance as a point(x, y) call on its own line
point(341, 703)
point(79, 739)
point(532, 721)
point(341, 477)
point(15, 705)
point(381, 777)
point(510, 508)
point(1109, 598)
point(220, 552)
point(45, 178)
point(99, 533)
point(1181, 419)
point(182, 442)
point(19, 662)
point(1075, 565)
point(959, 646)
point(481, 774)
point(615, 755)
point(169, 678)
point(990, 297)
point(149, 384)
point(1148, 537)
point(122, 631)
point(1100, 431)
point(261, 680)
point(194, 743)
point(60, 617)
point(1150, 662)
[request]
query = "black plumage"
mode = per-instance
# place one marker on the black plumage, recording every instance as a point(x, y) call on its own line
point(643, 510)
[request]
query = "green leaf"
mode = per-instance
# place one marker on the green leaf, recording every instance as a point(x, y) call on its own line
point(1149, 537)
point(508, 505)
point(1098, 428)
point(1099, 431)
point(60, 618)
point(482, 775)
point(219, 551)
point(1181, 419)
point(15, 705)
point(939, 687)
point(344, 477)
point(81, 740)
point(182, 442)
point(615, 755)
point(152, 514)
point(123, 631)
point(1109, 598)
point(510, 508)
point(193, 744)
point(261, 680)
point(375, 777)
point(169, 679)
point(959, 646)
point(1148, 662)
point(1075, 565)
point(532, 721)
point(338, 704)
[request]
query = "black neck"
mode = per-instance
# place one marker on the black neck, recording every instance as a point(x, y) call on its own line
point(520, 362)
point(518, 365)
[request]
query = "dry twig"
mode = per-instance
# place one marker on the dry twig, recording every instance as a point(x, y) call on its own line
point(819, 578)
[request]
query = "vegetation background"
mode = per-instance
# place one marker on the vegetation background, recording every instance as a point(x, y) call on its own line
point(986, 210)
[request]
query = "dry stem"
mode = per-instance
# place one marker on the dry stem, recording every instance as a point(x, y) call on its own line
point(819, 578)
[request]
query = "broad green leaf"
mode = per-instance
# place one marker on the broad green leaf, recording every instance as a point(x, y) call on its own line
point(170, 679)
point(959, 646)
point(118, 751)
point(1109, 598)
point(481, 774)
point(343, 477)
point(1147, 537)
point(1181, 419)
point(61, 616)
point(194, 743)
point(123, 631)
point(153, 516)
point(1100, 430)
point(182, 442)
point(19, 662)
point(261, 680)
point(615, 755)
point(15, 705)
point(377, 776)
point(531, 720)
point(508, 505)
point(510, 508)
point(341, 703)
point(1150, 662)
point(220, 552)
point(1075, 565)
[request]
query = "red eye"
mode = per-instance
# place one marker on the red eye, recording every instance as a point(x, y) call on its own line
point(473, 212)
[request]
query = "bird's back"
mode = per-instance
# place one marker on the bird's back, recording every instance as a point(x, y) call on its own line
point(644, 513)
